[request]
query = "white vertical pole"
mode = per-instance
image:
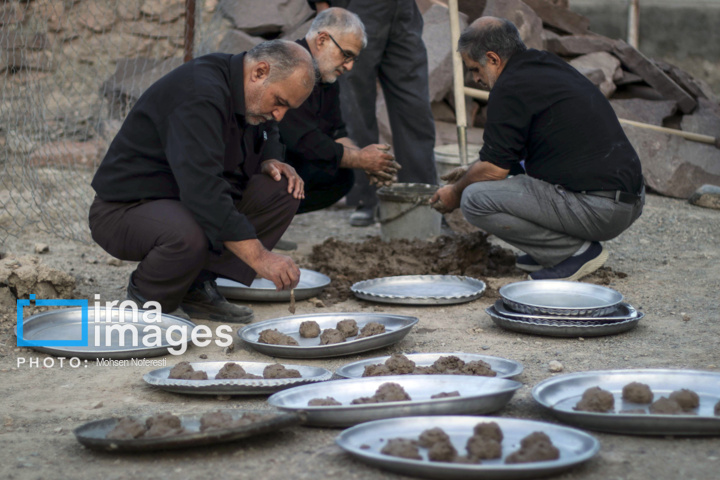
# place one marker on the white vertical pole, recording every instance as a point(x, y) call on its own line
point(633, 23)
point(458, 82)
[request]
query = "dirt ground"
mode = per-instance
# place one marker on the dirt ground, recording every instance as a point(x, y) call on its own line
point(671, 258)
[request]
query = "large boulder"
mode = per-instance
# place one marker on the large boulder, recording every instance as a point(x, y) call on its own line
point(603, 61)
point(266, 17)
point(705, 120)
point(646, 111)
point(525, 19)
point(436, 36)
point(672, 165)
point(573, 45)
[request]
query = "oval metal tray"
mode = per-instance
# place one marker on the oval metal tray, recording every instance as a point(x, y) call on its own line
point(94, 434)
point(66, 325)
point(559, 328)
point(557, 297)
point(263, 290)
point(420, 289)
point(503, 367)
point(561, 393)
point(624, 311)
point(477, 395)
point(211, 386)
point(396, 326)
point(367, 440)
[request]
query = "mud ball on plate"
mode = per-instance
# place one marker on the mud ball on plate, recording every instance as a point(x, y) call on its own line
point(331, 335)
point(448, 364)
point(402, 447)
point(277, 370)
point(348, 327)
point(687, 399)
point(442, 451)
point(163, 425)
point(536, 447)
point(636, 392)
point(309, 329)
point(489, 430)
point(387, 392)
point(323, 402)
point(185, 371)
point(215, 420)
point(431, 436)
point(454, 393)
point(370, 329)
point(479, 368)
point(376, 370)
point(127, 428)
point(234, 371)
point(483, 448)
point(665, 406)
point(273, 337)
point(595, 399)
point(399, 364)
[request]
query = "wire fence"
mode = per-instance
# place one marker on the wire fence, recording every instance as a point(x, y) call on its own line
point(70, 70)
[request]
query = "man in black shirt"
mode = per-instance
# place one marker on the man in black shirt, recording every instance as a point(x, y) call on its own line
point(315, 134)
point(584, 180)
point(192, 186)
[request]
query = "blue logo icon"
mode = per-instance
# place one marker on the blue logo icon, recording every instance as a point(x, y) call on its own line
point(82, 342)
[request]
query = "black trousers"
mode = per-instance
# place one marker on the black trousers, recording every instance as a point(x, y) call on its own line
point(173, 250)
point(322, 189)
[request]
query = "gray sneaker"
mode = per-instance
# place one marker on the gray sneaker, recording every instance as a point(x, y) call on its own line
point(362, 217)
point(206, 302)
point(134, 296)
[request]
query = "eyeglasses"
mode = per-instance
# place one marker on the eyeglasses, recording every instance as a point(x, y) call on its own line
point(347, 56)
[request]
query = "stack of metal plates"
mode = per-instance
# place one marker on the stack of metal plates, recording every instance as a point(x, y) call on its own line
point(563, 309)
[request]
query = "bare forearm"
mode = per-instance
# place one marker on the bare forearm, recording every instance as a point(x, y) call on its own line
point(249, 251)
point(479, 172)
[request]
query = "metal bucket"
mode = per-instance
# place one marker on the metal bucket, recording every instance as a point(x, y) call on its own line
point(404, 211)
point(447, 157)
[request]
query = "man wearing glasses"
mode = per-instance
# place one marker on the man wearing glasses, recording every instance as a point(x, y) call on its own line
point(317, 143)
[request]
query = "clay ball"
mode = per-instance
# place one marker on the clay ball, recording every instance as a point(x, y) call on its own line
point(309, 329)
point(331, 335)
point(595, 399)
point(347, 327)
point(637, 393)
point(687, 399)
point(665, 406)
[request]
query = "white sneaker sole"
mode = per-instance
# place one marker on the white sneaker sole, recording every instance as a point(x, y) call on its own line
point(528, 268)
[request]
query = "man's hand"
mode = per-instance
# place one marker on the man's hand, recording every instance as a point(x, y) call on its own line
point(445, 199)
point(279, 269)
point(455, 174)
point(376, 160)
point(276, 169)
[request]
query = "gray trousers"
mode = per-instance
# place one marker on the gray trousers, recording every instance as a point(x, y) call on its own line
point(543, 220)
point(396, 56)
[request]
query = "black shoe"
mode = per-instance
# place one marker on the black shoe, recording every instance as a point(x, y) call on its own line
point(362, 216)
point(286, 245)
point(134, 296)
point(206, 302)
point(527, 263)
point(574, 268)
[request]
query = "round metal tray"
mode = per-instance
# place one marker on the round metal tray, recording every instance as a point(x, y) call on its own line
point(396, 327)
point(559, 328)
point(366, 441)
point(561, 393)
point(420, 289)
point(556, 297)
point(159, 378)
point(263, 290)
point(477, 395)
point(94, 434)
point(503, 367)
point(624, 311)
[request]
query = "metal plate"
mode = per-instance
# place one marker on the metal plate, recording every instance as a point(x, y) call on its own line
point(94, 434)
point(263, 290)
point(396, 327)
point(561, 393)
point(557, 297)
point(477, 395)
point(559, 328)
point(575, 447)
point(624, 311)
point(505, 368)
point(420, 289)
point(66, 324)
point(211, 386)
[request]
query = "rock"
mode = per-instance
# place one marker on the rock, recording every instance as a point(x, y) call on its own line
point(98, 405)
point(446, 133)
point(27, 60)
point(695, 86)
point(626, 77)
point(527, 22)
point(442, 112)
point(237, 41)
point(11, 40)
point(174, 31)
point(595, 75)
point(706, 196)
point(603, 61)
point(41, 248)
point(267, 17)
point(163, 10)
point(705, 120)
point(66, 154)
point(559, 17)
point(637, 63)
point(51, 12)
point(436, 36)
point(115, 262)
point(19, 143)
point(554, 366)
point(574, 45)
point(133, 76)
point(96, 15)
point(316, 302)
point(646, 111)
point(298, 31)
point(129, 9)
point(11, 13)
point(472, 8)
point(672, 165)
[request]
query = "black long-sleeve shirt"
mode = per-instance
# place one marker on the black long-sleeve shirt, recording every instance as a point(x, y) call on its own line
point(186, 138)
point(544, 111)
point(309, 132)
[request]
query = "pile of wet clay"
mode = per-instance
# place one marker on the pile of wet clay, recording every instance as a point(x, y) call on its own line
point(346, 262)
point(166, 424)
point(679, 402)
point(343, 330)
point(484, 444)
point(399, 364)
point(386, 392)
point(185, 371)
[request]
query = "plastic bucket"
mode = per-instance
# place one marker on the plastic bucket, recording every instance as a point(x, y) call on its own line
point(404, 211)
point(447, 157)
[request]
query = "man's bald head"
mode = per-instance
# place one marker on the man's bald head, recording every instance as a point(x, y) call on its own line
point(490, 34)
